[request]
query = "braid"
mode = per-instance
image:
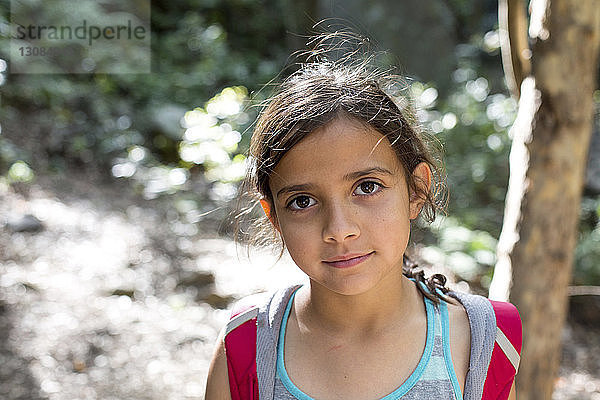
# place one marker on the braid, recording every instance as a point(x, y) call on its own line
point(435, 283)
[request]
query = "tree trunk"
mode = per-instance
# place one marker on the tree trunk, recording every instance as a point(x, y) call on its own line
point(547, 163)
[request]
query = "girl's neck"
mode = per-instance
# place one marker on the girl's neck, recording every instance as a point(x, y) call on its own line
point(396, 299)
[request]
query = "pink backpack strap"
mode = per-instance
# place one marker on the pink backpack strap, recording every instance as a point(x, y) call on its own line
point(240, 349)
point(506, 354)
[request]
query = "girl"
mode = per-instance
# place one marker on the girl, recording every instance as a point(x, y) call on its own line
point(340, 174)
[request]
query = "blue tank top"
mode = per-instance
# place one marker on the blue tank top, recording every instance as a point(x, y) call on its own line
point(433, 378)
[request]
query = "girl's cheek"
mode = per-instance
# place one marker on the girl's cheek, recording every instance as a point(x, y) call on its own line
point(296, 229)
point(391, 206)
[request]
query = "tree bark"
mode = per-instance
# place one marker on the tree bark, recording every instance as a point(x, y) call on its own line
point(547, 164)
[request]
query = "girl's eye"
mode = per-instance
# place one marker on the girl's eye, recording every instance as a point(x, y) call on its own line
point(300, 203)
point(367, 188)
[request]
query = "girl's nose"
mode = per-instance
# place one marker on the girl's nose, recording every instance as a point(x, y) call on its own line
point(340, 224)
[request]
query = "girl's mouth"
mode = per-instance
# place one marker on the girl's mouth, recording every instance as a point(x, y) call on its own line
point(348, 260)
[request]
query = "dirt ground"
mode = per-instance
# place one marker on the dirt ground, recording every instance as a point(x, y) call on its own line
point(116, 297)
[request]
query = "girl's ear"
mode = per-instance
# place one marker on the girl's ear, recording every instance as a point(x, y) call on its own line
point(422, 177)
point(266, 206)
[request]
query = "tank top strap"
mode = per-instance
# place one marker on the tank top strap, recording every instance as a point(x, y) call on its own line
point(434, 376)
point(440, 367)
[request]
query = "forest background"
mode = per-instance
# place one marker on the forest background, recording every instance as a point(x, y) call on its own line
point(173, 140)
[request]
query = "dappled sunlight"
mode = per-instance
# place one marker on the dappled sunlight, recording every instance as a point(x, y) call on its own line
point(100, 310)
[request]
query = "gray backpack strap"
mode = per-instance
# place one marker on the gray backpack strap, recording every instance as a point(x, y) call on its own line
point(483, 335)
point(268, 322)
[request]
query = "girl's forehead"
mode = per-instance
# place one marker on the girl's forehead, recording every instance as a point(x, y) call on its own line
point(341, 147)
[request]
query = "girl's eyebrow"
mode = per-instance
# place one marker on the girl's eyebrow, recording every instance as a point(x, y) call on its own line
point(293, 188)
point(359, 174)
point(351, 176)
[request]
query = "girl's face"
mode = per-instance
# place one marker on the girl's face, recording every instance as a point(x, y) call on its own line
point(341, 203)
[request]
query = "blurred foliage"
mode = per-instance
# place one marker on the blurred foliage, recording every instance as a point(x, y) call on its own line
point(208, 149)
point(472, 124)
point(85, 121)
point(182, 130)
point(587, 254)
point(470, 254)
point(19, 172)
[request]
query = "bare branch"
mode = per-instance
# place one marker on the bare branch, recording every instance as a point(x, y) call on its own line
point(514, 45)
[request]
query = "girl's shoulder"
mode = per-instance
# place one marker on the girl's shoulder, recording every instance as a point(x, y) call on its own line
point(257, 319)
point(479, 310)
point(486, 318)
point(267, 307)
point(481, 321)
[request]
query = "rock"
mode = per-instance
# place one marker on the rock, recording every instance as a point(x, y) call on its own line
point(24, 223)
point(585, 310)
point(123, 292)
point(217, 301)
point(196, 279)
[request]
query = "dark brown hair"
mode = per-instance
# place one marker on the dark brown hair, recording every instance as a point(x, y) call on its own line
point(317, 93)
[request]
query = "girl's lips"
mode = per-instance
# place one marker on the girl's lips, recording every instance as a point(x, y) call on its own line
point(348, 261)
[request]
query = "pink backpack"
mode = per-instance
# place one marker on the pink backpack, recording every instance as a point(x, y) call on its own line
point(240, 348)
point(506, 354)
